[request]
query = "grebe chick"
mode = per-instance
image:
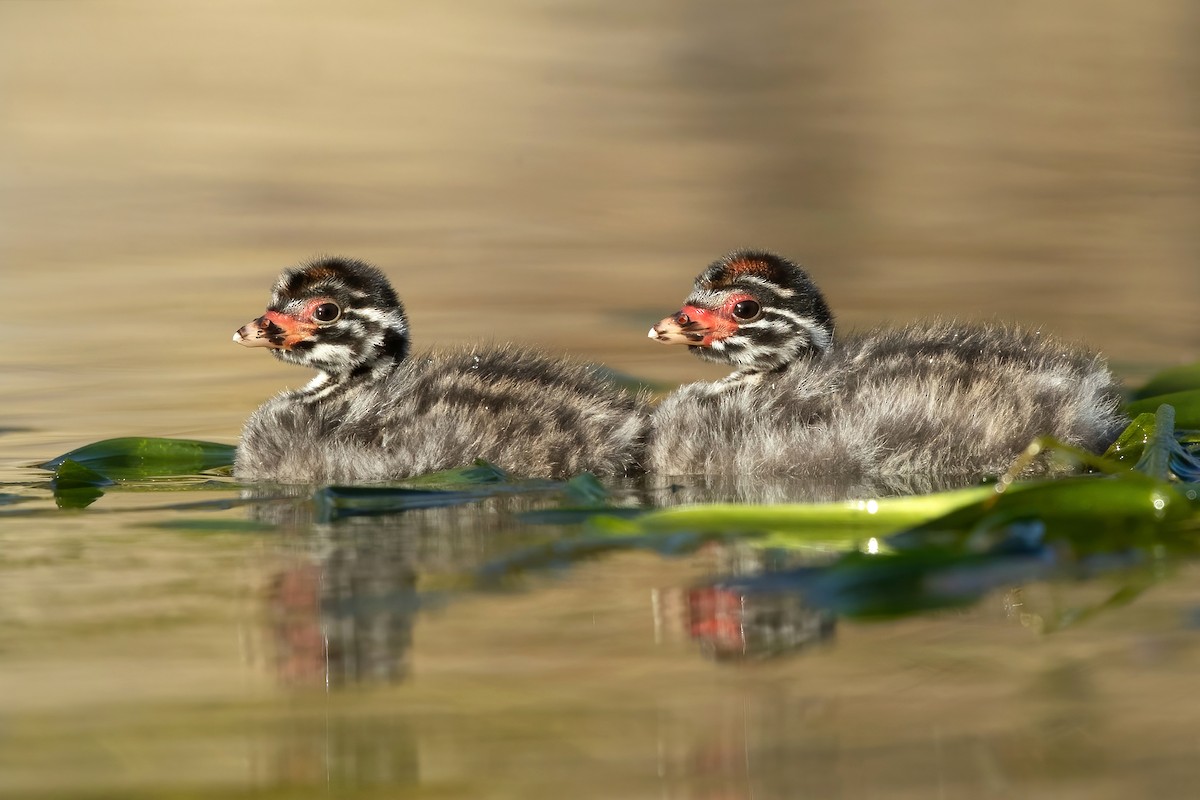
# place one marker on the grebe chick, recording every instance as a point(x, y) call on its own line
point(942, 398)
point(375, 413)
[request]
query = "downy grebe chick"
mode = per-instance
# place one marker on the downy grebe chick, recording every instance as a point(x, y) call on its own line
point(942, 398)
point(375, 413)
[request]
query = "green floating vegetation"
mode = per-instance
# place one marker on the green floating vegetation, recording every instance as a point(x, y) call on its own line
point(134, 458)
point(1152, 446)
point(81, 476)
point(585, 490)
point(345, 501)
point(476, 482)
point(1170, 381)
point(852, 519)
point(1186, 405)
point(480, 472)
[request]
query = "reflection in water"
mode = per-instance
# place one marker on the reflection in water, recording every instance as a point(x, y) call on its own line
point(730, 616)
point(342, 610)
point(775, 489)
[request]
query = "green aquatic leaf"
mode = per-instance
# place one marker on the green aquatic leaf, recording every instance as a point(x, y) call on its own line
point(76, 486)
point(480, 472)
point(1156, 448)
point(1128, 447)
point(70, 474)
point(344, 501)
point(1091, 512)
point(1186, 405)
point(1169, 381)
point(813, 520)
point(1163, 456)
point(585, 489)
point(135, 458)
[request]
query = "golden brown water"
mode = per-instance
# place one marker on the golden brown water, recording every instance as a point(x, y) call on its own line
point(556, 174)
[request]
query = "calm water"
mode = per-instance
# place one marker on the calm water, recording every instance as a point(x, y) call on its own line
point(556, 175)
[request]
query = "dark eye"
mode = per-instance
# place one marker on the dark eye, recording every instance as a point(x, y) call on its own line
point(747, 310)
point(327, 312)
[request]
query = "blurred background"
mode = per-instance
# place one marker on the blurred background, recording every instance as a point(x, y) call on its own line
point(557, 172)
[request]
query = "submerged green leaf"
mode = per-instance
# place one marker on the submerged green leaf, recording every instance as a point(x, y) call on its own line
point(135, 458)
point(585, 489)
point(478, 473)
point(344, 501)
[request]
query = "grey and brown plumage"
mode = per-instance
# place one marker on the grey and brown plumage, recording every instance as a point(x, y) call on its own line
point(942, 398)
point(375, 413)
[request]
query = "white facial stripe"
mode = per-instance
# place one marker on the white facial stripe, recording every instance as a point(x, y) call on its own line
point(818, 334)
point(766, 323)
point(373, 314)
point(327, 352)
point(779, 290)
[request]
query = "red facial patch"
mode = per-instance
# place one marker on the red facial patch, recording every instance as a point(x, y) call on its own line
point(295, 329)
point(711, 326)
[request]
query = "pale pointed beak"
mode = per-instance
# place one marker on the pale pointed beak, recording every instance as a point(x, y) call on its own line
point(693, 326)
point(676, 329)
point(274, 330)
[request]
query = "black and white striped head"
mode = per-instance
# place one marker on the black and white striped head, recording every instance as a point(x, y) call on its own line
point(337, 315)
point(754, 310)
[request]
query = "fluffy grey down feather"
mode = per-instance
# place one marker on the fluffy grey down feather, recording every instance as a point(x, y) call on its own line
point(943, 399)
point(524, 412)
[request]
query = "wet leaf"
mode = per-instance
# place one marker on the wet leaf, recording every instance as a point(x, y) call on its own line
point(344, 501)
point(70, 474)
point(1088, 511)
point(1128, 447)
point(584, 489)
point(134, 458)
point(478, 473)
point(76, 486)
point(813, 520)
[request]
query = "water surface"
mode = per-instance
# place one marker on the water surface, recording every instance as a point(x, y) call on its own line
point(556, 175)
